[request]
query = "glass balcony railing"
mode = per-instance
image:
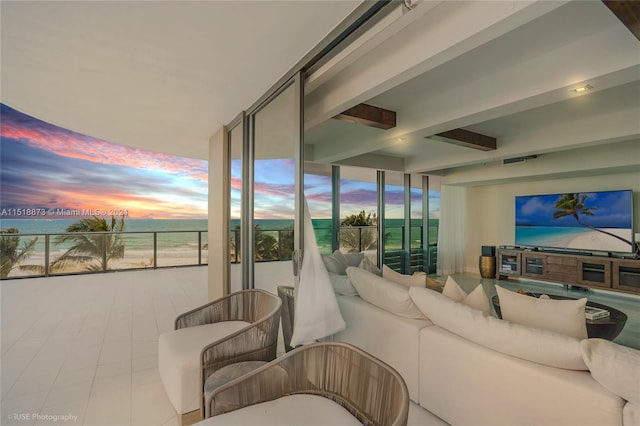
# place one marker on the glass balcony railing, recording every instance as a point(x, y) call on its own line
point(38, 255)
point(41, 255)
point(277, 245)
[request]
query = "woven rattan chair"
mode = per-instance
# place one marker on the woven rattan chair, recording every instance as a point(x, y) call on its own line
point(288, 305)
point(370, 390)
point(240, 327)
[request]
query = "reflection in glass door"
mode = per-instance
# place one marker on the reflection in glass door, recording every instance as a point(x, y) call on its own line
point(275, 184)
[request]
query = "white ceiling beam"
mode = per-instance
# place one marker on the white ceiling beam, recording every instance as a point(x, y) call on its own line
point(590, 130)
point(589, 161)
point(447, 31)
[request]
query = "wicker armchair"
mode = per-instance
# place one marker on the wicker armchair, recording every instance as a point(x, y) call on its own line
point(370, 390)
point(240, 327)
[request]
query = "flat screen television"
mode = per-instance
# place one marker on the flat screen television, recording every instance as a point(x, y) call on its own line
point(579, 221)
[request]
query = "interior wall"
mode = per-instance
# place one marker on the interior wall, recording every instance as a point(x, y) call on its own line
point(491, 218)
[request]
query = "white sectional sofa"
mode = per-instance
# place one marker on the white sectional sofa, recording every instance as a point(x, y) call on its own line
point(469, 380)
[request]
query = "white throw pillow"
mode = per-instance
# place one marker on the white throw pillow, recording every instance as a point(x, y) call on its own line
point(561, 316)
point(369, 266)
point(352, 259)
point(406, 280)
point(477, 299)
point(532, 344)
point(453, 290)
point(385, 294)
point(335, 263)
point(615, 367)
point(342, 284)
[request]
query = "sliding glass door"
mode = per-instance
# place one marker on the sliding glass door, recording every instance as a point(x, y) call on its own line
point(236, 142)
point(266, 195)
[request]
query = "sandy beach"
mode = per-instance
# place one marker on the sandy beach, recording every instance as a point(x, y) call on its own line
point(599, 241)
point(133, 259)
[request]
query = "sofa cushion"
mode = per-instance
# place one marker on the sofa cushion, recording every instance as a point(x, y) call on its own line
point(477, 299)
point(300, 409)
point(335, 262)
point(342, 284)
point(631, 414)
point(353, 259)
point(453, 290)
point(385, 294)
point(465, 383)
point(561, 316)
point(381, 334)
point(615, 367)
point(532, 344)
point(406, 280)
point(369, 266)
point(179, 360)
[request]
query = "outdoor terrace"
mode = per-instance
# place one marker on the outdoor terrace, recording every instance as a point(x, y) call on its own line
point(83, 349)
point(85, 346)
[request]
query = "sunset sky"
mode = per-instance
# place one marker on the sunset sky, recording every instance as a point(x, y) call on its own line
point(51, 169)
point(47, 167)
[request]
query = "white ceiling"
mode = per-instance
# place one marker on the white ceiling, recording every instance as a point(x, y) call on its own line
point(157, 75)
point(166, 75)
point(511, 77)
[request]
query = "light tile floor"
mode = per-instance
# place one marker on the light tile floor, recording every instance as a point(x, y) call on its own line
point(82, 350)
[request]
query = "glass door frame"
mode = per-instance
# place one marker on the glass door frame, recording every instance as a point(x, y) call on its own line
point(240, 120)
point(248, 178)
point(364, 16)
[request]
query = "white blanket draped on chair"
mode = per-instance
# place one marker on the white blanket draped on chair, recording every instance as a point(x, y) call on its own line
point(317, 314)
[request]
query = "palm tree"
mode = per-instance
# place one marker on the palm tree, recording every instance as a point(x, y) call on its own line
point(266, 245)
point(362, 239)
point(573, 204)
point(285, 243)
point(96, 243)
point(10, 252)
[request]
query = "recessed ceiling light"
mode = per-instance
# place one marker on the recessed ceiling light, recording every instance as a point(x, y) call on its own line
point(399, 139)
point(584, 88)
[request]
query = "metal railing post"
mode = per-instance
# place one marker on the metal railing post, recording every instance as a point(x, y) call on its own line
point(155, 250)
point(47, 253)
point(104, 252)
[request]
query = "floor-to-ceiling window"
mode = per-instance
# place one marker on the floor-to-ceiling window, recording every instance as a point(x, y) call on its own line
point(417, 236)
point(358, 210)
point(434, 221)
point(318, 193)
point(394, 223)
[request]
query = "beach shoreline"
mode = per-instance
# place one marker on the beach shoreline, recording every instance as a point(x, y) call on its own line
point(599, 241)
point(133, 259)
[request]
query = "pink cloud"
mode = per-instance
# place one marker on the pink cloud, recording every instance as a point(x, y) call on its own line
point(68, 144)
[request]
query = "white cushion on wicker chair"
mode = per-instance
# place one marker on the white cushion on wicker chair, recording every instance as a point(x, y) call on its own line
point(299, 409)
point(179, 360)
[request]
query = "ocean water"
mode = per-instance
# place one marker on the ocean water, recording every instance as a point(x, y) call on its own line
point(141, 231)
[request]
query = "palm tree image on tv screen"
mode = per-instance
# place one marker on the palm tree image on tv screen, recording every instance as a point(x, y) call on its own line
point(586, 221)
